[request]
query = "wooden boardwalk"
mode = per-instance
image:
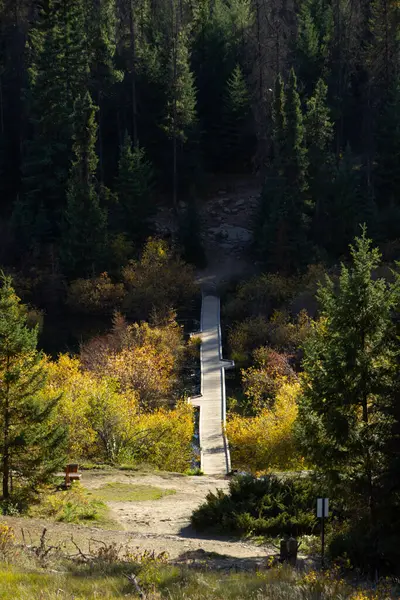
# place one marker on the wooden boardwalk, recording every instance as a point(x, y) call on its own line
point(215, 457)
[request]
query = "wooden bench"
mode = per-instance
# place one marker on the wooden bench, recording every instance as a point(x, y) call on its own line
point(71, 474)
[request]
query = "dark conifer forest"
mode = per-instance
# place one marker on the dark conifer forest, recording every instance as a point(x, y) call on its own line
point(108, 106)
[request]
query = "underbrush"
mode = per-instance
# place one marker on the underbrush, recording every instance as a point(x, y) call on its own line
point(260, 506)
point(81, 506)
point(109, 572)
point(75, 505)
point(156, 581)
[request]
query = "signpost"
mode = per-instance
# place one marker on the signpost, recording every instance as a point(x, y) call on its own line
point(322, 513)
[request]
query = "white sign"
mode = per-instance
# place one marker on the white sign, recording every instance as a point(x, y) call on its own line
point(322, 507)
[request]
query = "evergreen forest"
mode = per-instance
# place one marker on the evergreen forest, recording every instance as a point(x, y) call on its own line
point(108, 107)
point(154, 153)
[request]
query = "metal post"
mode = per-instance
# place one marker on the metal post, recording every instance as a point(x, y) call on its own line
point(323, 534)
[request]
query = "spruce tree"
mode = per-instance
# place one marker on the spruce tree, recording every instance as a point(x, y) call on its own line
point(284, 243)
point(46, 154)
point(102, 44)
point(387, 172)
point(347, 206)
point(219, 32)
point(384, 43)
point(311, 52)
point(319, 135)
point(85, 221)
point(134, 188)
point(58, 68)
point(181, 105)
point(349, 367)
point(272, 197)
point(32, 446)
point(279, 125)
point(296, 160)
point(237, 126)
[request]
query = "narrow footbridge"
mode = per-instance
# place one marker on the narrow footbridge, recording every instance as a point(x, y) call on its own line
point(215, 457)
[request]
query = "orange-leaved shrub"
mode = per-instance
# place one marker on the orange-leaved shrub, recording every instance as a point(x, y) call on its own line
point(143, 358)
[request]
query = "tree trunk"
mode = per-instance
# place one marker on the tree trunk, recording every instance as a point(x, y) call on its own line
point(100, 139)
point(1, 107)
point(6, 475)
point(6, 448)
point(174, 116)
point(259, 56)
point(368, 461)
point(133, 75)
point(175, 176)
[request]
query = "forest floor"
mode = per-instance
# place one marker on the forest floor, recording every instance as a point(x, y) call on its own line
point(161, 525)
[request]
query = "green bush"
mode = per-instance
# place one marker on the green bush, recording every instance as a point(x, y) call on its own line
point(371, 549)
point(71, 506)
point(260, 506)
point(260, 296)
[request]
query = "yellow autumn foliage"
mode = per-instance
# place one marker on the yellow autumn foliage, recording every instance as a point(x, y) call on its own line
point(266, 441)
point(167, 437)
point(98, 416)
point(105, 422)
point(159, 281)
point(143, 358)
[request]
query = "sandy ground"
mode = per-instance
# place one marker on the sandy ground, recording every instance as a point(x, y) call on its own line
point(161, 525)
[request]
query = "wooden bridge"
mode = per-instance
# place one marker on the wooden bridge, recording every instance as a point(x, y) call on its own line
point(215, 456)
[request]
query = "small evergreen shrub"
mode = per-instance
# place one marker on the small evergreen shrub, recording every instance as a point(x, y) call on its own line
point(260, 506)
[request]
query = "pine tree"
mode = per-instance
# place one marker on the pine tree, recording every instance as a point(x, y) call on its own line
point(296, 161)
point(239, 143)
point(181, 108)
point(384, 45)
point(102, 43)
point(315, 25)
point(319, 134)
point(134, 187)
point(279, 125)
point(387, 170)
point(85, 222)
point(284, 243)
point(58, 68)
point(32, 446)
point(349, 367)
point(347, 206)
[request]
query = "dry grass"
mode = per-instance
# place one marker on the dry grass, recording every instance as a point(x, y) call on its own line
point(124, 492)
point(157, 581)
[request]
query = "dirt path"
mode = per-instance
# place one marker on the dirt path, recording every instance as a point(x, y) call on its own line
point(161, 525)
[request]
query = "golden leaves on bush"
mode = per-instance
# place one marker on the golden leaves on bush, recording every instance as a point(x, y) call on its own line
point(266, 441)
point(142, 358)
point(159, 281)
point(261, 382)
